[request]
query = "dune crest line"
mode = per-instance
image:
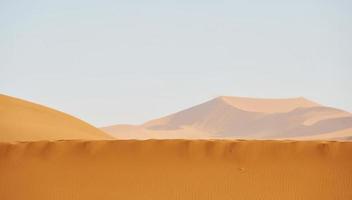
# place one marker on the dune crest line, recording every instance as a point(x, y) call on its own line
point(176, 169)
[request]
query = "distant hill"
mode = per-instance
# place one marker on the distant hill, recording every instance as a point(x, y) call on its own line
point(245, 118)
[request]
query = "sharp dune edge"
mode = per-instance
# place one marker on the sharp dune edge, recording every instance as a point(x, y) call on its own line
point(25, 121)
point(176, 169)
point(95, 168)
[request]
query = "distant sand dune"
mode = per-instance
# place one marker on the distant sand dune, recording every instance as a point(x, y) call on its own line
point(174, 170)
point(240, 117)
point(24, 121)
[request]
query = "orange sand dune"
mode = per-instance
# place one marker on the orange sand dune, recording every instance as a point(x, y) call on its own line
point(174, 170)
point(24, 121)
point(246, 118)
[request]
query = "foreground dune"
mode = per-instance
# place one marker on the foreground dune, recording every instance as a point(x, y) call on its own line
point(25, 121)
point(176, 169)
point(245, 118)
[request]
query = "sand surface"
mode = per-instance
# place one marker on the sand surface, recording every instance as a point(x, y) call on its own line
point(244, 118)
point(25, 121)
point(175, 170)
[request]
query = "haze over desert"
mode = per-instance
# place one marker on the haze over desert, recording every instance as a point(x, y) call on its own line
point(224, 117)
point(245, 118)
point(176, 100)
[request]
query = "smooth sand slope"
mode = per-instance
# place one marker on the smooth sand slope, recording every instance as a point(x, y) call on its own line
point(24, 121)
point(247, 118)
point(174, 170)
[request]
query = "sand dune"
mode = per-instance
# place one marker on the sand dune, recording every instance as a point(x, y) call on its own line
point(268, 105)
point(24, 121)
point(178, 169)
point(247, 118)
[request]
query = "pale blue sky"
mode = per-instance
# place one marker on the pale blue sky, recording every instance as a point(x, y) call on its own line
point(111, 62)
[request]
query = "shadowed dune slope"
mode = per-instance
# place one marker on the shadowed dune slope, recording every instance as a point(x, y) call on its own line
point(24, 121)
point(240, 117)
point(176, 169)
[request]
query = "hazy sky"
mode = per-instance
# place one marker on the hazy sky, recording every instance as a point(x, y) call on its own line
point(111, 62)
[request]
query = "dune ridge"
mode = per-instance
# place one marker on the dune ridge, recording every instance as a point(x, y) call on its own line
point(176, 169)
point(243, 118)
point(21, 120)
point(265, 105)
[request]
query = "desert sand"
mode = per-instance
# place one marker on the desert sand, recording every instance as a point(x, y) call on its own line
point(25, 121)
point(228, 117)
point(90, 167)
point(176, 169)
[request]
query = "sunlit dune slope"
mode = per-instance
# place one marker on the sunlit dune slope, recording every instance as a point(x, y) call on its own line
point(24, 121)
point(240, 117)
point(176, 169)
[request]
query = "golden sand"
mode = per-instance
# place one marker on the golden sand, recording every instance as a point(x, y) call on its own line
point(25, 121)
point(176, 169)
